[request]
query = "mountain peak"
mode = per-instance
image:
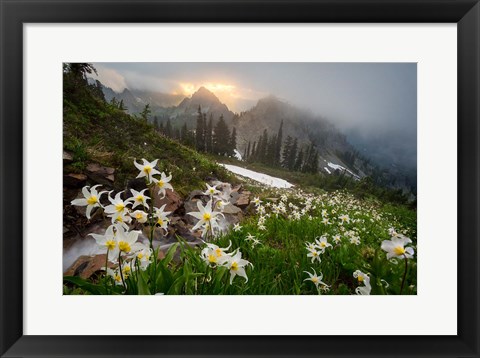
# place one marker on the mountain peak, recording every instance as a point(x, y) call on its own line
point(204, 94)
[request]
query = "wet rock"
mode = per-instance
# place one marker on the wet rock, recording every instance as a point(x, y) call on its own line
point(67, 158)
point(100, 174)
point(87, 266)
point(171, 199)
point(74, 180)
point(231, 209)
point(243, 199)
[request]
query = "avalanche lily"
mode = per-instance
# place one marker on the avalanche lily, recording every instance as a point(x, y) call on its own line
point(147, 169)
point(91, 199)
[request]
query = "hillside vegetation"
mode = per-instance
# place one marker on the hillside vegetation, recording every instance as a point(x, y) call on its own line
point(94, 130)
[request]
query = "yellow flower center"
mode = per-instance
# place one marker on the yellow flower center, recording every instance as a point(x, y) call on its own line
point(315, 253)
point(360, 278)
point(160, 183)
point(207, 216)
point(119, 207)
point(118, 278)
point(219, 252)
point(322, 244)
point(140, 198)
point(212, 258)
point(92, 200)
point(139, 215)
point(234, 266)
point(119, 219)
point(399, 250)
point(212, 190)
point(314, 279)
point(160, 221)
point(147, 169)
point(140, 256)
point(124, 246)
point(110, 244)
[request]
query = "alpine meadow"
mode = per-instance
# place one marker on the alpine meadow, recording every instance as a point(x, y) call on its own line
point(239, 179)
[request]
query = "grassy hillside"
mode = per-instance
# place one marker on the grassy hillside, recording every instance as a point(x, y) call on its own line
point(96, 131)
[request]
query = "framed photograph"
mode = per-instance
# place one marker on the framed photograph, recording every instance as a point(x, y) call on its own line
point(239, 178)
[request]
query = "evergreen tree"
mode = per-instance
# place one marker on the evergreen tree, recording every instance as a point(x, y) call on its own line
point(299, 162)
point(161, 128)
point(209, 135)
point(270, 156)
point(155, 122)
point(278, 145)
point(184, 133)
point(168, 129)
point(233, 141)
point(121, 106)
point(200, 132)
point(292, 155)
point(286, 151)
point(248, 151)
point(221, 137)
point(262, 147)
point(146, 112)
point(251, 157)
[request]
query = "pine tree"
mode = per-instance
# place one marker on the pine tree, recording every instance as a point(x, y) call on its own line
point(146, 112)
point(286, 151)
point(200, 132)
point(299, 162)
point(233, 141)
point(155, 121)
point(168, 129)
point(251, 157)
point(270, 156)
point(248, 151)
point(184, 133)
point(278, 145)
point(209, 135)
point(221, 137)
point(161, 128)
point(292, 156)
point(121, 106)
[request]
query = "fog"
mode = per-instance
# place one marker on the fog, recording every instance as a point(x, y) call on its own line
point(373, 102)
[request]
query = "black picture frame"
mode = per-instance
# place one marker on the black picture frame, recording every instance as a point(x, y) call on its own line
point(15, 13)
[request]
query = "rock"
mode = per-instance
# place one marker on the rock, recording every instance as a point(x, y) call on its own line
point(189, 206)
point(86, 266)
point(243, 199)
point(100, 174)
point(67, 158)
point(273, 200)
point(172, 199)
point(195, 194)
point(74, 180)
point(232, 219)
point(231, 209)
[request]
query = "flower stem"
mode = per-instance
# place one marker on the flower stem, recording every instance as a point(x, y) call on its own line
point(121, 271)
point(404, 274)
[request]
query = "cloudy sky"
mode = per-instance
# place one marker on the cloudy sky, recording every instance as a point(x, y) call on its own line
point(371, 99)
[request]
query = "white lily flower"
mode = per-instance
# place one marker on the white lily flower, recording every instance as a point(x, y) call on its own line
point(365, 279)
point(344, 218)
point(355, 240)
point(237, 227)
point(147, 169)
point(257, 201)
point(115, 274)
point(236, 265)
point(316, 279)
point(161, 217)
point(143, 257)
point(211, 190)
point(206, 216)
point(337, 239)
point(126, 241)
point(396, 247)
point(139, 198)
point(163, 184)
point(117, 206)
point(140, 216)
point(322, 243)
point(214, 255)
point(315, 255)
point(121, 219)
point(91, 199)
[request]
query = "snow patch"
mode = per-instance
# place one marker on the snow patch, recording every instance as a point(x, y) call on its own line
point(339, 167)
point(262, 178)
point(237, 154)
point(328, 171)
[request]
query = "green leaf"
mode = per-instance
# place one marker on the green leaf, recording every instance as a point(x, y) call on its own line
point(142, 285)
point(84, 284)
